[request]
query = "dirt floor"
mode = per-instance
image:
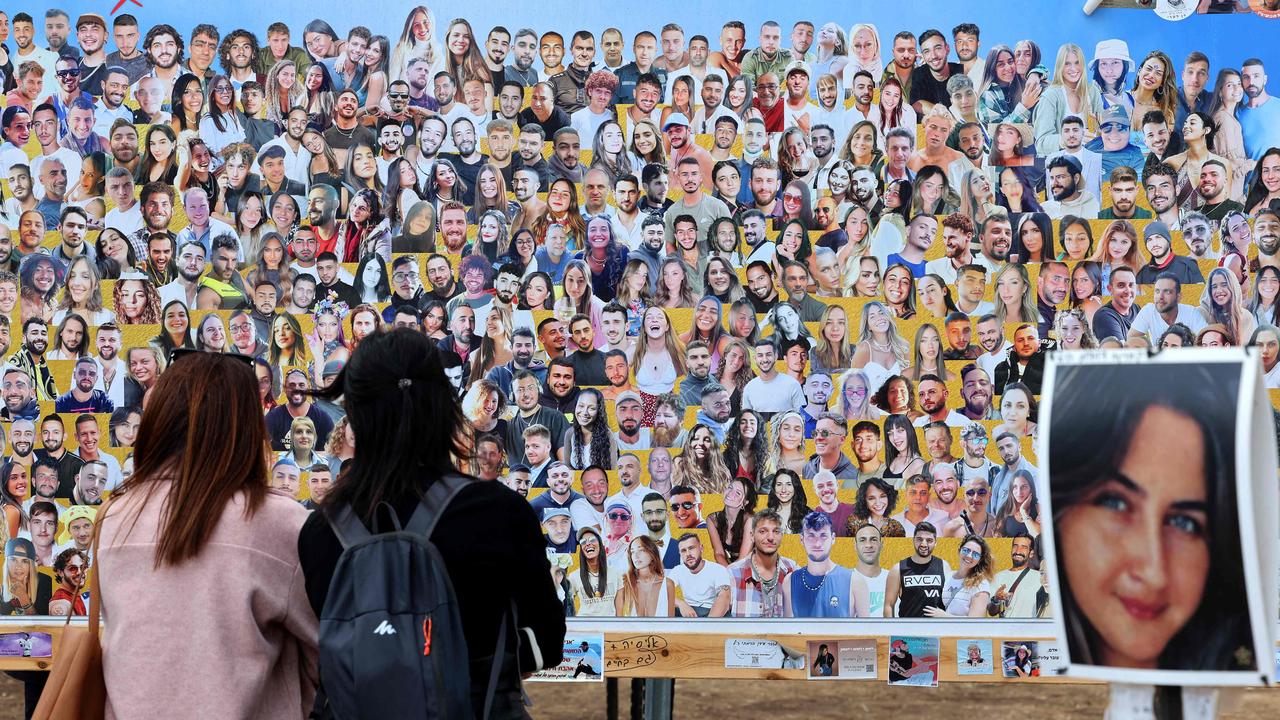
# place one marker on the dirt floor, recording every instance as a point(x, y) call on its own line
point(790, 701)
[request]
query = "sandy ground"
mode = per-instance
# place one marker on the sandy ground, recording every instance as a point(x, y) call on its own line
point(794, 700)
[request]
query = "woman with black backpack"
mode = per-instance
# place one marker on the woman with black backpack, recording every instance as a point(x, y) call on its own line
point(395, 632)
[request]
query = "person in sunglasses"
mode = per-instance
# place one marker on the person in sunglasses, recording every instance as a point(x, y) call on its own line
point(974, 518)
point(67, 70)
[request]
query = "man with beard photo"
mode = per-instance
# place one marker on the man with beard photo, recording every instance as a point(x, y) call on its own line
point(30, 359)
point(759, 578)
point(530, 412)
point(52, 439)
point(19, 396)
point(297, 404)
point(628, 412)
point(946, 490)
point(915, 583)
point(164, 48)
point(668, 422)
point(1266, 234)
point(1066, 186)
point(22, 438)
point(975, 391)
point(705, 586)
point(1016, 588)
point(996, 236)
point(974, 519)
point(522, 349)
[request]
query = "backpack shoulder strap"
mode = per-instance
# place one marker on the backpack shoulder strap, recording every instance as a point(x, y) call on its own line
point(347, 526)
point(439, 495)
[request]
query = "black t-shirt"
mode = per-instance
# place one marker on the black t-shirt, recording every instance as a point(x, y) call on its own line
point(558, 119)
point(68, 468)
point(493, 548)
point(588, 368)
point(898, 664)
point(467, 172)
point(925, 87)
point(341, 140)
point(279, 421)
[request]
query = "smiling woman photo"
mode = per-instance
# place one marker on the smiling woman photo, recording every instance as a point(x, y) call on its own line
point(1146, 525)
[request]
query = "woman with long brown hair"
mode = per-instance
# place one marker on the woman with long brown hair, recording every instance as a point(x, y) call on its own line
point(646, 590)
point(197, 519)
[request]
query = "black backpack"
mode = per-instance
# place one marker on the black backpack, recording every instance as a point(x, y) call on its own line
point(391, 639)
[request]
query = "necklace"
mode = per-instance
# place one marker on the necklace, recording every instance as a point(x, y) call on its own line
point(769, 584)
point(346, 133)
point(804, 581)
point(887, 347)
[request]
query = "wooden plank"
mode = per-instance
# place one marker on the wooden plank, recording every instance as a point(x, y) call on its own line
point(688, 655)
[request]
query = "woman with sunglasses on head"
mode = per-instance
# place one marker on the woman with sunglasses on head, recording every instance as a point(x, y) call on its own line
point(968, 589)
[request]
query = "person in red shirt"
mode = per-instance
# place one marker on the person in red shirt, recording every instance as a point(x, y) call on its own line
point(69, 567)
point(769, 102)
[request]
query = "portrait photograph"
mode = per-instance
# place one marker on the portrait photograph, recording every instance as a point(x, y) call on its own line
point(1154, 563)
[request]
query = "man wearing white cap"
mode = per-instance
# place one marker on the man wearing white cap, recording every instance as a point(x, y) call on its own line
point(679, 134)
point(796, 113)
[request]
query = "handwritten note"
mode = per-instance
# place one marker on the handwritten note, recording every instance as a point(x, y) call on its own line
point(634, 652)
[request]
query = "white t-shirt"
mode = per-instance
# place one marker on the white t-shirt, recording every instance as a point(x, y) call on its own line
point(586, 123)
point(700, 588)
point(958, 597)
point(780, 393)
point(583, 515)
point(70, 160)
point(1150, 323)
point(953, 419)
point(127, 222)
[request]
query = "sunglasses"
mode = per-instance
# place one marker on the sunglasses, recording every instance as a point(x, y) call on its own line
point(686, 505)
point(980, 492)
point(824, 434)
point(178, 353)
point(618, 516)
point(397, 96)
point(965, 552)
point(69, 72)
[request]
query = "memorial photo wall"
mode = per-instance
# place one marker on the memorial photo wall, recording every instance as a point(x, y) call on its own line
point(754, 312)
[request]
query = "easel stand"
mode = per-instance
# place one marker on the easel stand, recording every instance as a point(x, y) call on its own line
point(651, 699)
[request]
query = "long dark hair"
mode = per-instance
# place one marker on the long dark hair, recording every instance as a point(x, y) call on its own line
point(598, 451)
point(862, 510)
point(584, 575)
point(203, 420)
point(758, 448)
point(799, 503)
point(1100, 408)
point(731, 536)
point(1258, 191)
point(406, 418)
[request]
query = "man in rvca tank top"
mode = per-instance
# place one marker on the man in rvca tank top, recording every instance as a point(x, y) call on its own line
point(916, 583)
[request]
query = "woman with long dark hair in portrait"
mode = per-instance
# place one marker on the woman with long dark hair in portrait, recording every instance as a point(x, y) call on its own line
point(198, 519)
point(1146, 530)
point(400, 455)
point(787, 496)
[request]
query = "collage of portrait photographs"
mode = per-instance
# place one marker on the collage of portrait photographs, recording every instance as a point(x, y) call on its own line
point(741, 310)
